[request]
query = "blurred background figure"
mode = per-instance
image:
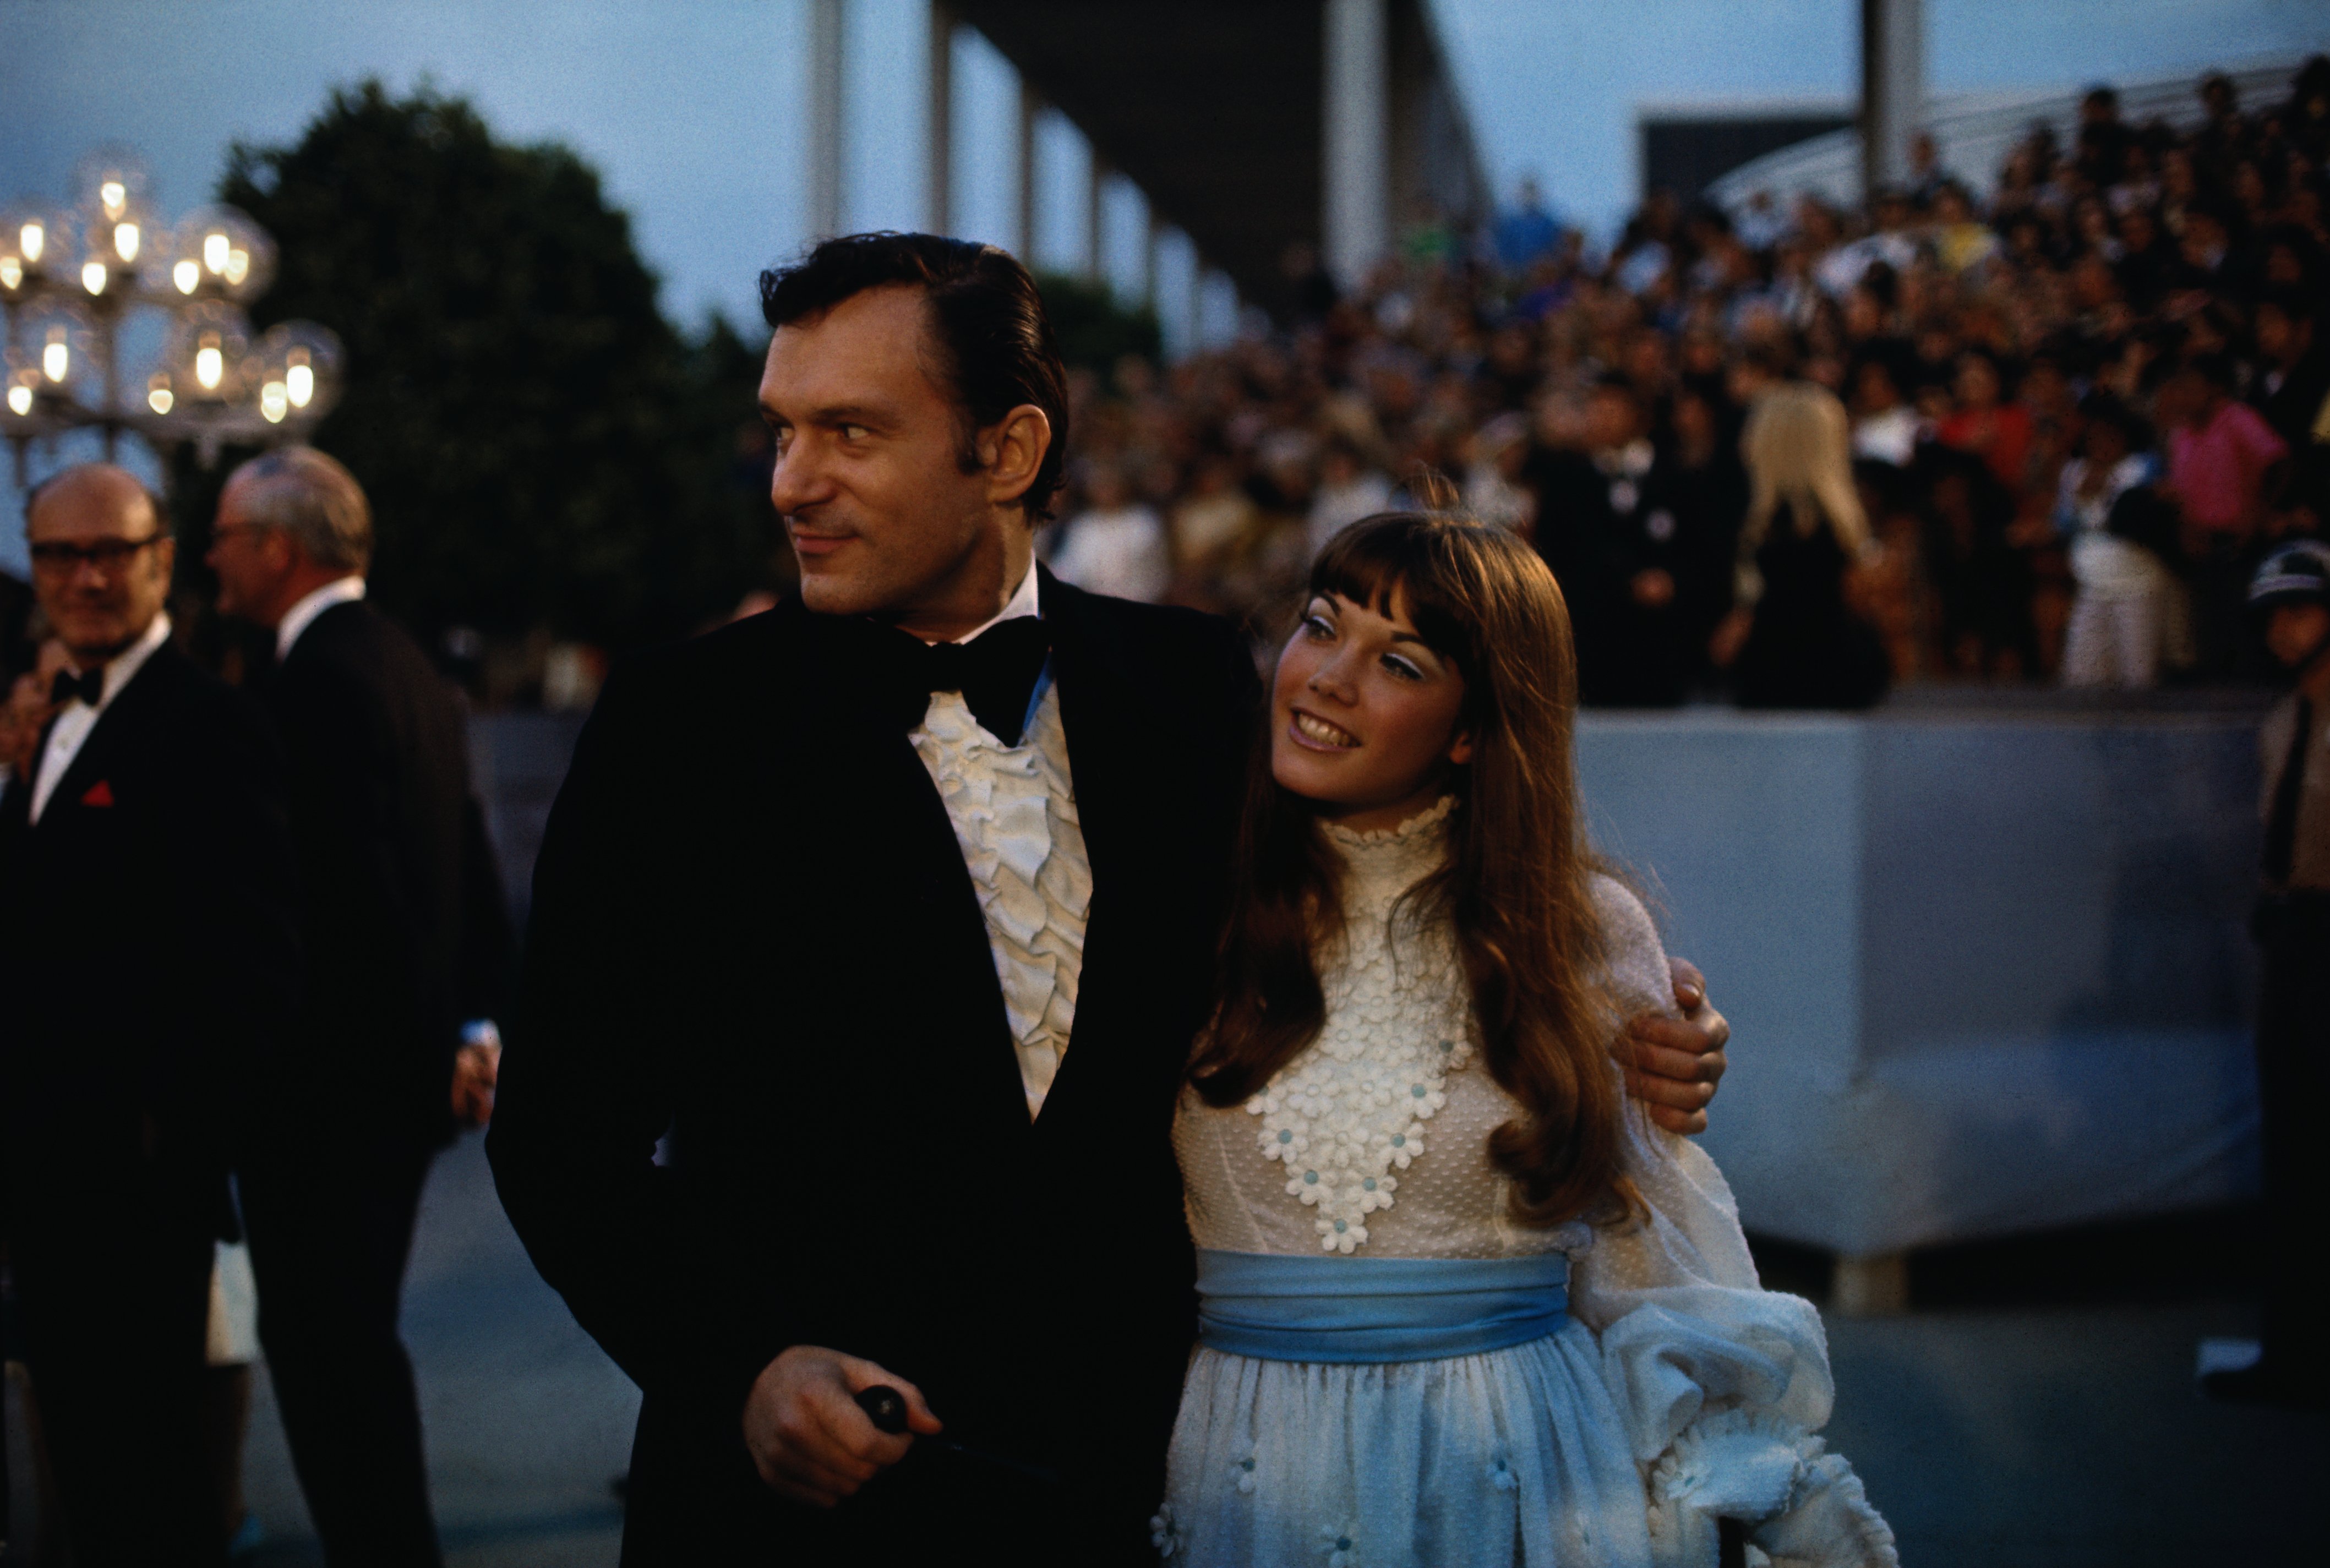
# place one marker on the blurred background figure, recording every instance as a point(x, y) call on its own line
point(407, 936)
point(148, 956)
point(1794, 638)
point(2224, 462)
point(2119, 528)
point(1527, 232)
point(1116, 544)
point(2291, 594)
point(1349, 488)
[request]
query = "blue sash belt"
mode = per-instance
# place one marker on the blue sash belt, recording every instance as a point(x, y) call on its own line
point(1323, 1306)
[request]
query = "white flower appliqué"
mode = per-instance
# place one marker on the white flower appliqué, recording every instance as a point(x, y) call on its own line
point(1350, 1109)
point(1340, 1543)
point(1164, 1532)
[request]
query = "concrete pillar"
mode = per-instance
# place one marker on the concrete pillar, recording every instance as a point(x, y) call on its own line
point(938, 198)
point(1096, 250)
point(1155, 238)
point(1193, 304)
point(825, 111)
point(1893, 88)
point(1031, 106)
point(1355, 219)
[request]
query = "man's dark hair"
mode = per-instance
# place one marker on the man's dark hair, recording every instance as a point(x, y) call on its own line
point(992, 340)
point(2294, 303)
point(2102, 406)
point(2214, 368)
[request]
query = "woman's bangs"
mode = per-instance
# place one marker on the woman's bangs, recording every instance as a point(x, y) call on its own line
point(1379, 560)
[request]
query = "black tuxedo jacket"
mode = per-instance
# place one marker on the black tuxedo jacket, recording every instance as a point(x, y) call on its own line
point(149, 951)
point(406, 930)
point(752, 927)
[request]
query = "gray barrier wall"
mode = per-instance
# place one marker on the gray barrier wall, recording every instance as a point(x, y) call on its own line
point(1988, 971)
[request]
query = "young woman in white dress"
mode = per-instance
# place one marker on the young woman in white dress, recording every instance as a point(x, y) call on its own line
point(1460, 1306)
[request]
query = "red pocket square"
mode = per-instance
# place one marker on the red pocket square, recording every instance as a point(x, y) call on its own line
point(100, 794)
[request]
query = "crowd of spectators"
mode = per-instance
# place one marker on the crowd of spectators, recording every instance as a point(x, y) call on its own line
point(2078, 403)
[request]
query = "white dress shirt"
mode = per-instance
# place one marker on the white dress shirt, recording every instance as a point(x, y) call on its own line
point(76, 719)
point(1013, 812)
point(302, 615)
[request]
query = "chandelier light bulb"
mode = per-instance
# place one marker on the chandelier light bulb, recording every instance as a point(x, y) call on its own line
point(113, 195)
point(20, 398)
point(299, 385)
point(273, 403)
point(186, 275)
point(158, 396)
point(92, 277)
point(124, 241)
point(56, 357)
point(12, 273)
point(32, 240)
point(214, 251)
point(238, 265)
point(209, 363)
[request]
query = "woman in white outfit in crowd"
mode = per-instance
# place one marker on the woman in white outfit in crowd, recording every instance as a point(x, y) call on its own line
point(1460, 1305)
point(2124, 612)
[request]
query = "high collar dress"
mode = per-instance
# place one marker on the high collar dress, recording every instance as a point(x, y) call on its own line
point(1675, 1391)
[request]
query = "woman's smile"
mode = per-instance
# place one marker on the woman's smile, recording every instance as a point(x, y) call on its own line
point(1315, 733)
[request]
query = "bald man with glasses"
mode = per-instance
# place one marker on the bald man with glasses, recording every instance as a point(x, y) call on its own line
point(148, 954)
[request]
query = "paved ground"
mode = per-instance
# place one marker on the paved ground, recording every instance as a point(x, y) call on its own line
point(2041, 1414)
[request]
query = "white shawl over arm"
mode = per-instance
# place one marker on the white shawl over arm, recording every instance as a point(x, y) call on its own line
point(1723, 1384)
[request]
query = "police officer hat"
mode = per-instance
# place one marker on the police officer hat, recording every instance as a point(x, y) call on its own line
point(2293, 573)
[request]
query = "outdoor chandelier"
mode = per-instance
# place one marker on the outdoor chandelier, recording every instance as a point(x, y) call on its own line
point(94, 293)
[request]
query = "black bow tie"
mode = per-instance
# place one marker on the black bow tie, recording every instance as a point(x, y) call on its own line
point(995, 671)
point(88, 686)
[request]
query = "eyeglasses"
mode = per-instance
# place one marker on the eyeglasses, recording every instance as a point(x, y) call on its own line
point(111, 554)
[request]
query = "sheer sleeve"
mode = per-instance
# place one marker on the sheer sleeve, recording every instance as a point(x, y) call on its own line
point(1723, 1384)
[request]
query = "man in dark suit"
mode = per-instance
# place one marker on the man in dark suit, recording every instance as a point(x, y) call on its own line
point(918, 1082)
point(407, 937)
point(148, 953)
point(1610, 525)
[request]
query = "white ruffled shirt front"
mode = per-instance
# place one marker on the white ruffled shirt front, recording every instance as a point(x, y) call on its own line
point(1014, 811)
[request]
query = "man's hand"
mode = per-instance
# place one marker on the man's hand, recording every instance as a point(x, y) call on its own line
point(1678, 1062)
point(808, 1437)
point(477, 1069)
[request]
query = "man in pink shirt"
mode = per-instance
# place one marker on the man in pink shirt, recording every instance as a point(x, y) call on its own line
point(2224, 464)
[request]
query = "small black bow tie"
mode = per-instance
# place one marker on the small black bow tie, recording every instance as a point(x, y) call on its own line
point(88, 686)
point(995, 671)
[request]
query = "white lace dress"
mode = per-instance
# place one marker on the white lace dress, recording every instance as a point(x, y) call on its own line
point(1678, 1390)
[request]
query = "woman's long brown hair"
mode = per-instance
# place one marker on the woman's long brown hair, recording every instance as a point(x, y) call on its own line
point(1515, 892)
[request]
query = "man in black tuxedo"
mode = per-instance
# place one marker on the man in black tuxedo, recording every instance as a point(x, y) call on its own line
point(777, 918)
point(149, 953)
point(407, 936)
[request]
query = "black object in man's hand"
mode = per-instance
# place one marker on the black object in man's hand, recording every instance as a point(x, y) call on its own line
point(885, 1407)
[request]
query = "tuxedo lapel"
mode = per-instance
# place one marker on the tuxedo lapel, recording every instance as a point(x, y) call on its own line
point(115, 732)
point(1099, 709)
point(882, 818)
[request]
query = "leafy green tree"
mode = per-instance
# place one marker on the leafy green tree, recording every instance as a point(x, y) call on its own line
point(543, 450)
point(1091, 328)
